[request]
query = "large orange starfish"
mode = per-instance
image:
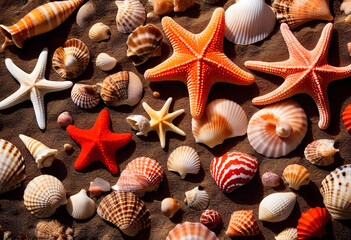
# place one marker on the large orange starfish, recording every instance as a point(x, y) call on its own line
point(198, 61)
point(304, 72)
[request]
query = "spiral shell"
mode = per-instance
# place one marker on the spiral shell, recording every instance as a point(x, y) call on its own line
point(242, 223)
point(139, 123)
point(99, 32)
point(184, 160)
point(169, 207)
point(312, 223)
point(277, 207)
point(85, 96)
point(197, 199)
point(80, 206)
point(287, 234)
point(131, 14)
point(296, 176)
point(52, 230)
point(191, 230)
point(210, 218)
point(105, 62)
point(321, 152)
point(270, 179)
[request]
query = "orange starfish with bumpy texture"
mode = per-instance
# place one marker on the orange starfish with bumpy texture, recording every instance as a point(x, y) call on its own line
point(198, 61)
point(304, 72)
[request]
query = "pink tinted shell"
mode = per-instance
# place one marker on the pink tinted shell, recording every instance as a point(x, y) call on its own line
point(191, 230)
point(210, 218)
point(270, 179)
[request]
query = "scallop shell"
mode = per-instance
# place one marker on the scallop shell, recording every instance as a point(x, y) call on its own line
point(139, 123)
point(43, 155)
point(143, 43)
point(197, 199)
point(270, 179)
point(222, 119)
point(162, 7)
point(64, 119)
point(80, 206)
point(184, 160)
point(210, 218)
point(70, 60)
point(321, 152)
point(296, 12)
point(312, 223)
point(277, 207)
point(99, 32)
point(126, 211)
point(121, 88)
point(131, 14)
point(346, 6)
point(105, 62)
point(11, 167)
point(242, 223)
point(287, 234)
point(85, 96)
point(191, 230)
point(232, 170)
point(183, 5)
point(43, 195)
point(346, 116)
point(249, 21)
point(52, 230)
point(277, 129)
point(85, 14)
point(141, 175)
point(169, 207)
point(296, 176)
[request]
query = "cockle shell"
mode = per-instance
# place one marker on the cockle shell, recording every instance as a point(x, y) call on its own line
point(249, 21)
point(270, 179)
point(126, 211)
point(296, 12)
point(139, 123)
point(232, 170)
point(64, 119)
point(40, 20)
point(183, 5)
point(169, 207)
point(321, 152)
point(296, 176)
point(287, 234)
point(71, 60)
point(80, 206)
point(85, 13)
point(191, 231)
point(184, 160)
point(99, 185)
point(242, 223)
point(222, 119)
point(43, 195)
point(277, 207)
point(131, 14)
point(85, 96)
point(99, 32)
point(197, 199)
point(210, 218)
point(277, 129)
point(143, 43)
point(105, 62)
point(346, 117)
point(52, 230)
point(312, 223)
point(43, 155)
point(11, 167)
point(141, 175)
point(162, 7)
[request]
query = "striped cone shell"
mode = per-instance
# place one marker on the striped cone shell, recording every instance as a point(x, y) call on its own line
point(321, 152)
point(126, 211)
point(11, 167)
point(296, 176)
point(184, 160)
point(52, 230)
point(287, 234)
point(346, 117)
point(131, 14)
point(233, 170)
point(242, 223)
point(85, 96)
point(40, 20)
point(191, 231)
point(277, 207)
point(210, 218)
point(312, 223)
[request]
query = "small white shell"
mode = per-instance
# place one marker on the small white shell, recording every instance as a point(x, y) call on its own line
point(197, 199)
point(139, 123)
point(80, 206)
point(64, 119)
point(105, 62)
point(99, 32)
point(131, 14)
point(85, 13)
point(287, 234)
point(270, 179)
point(321, 152)
point(276, 207)
point(169, 207)
point(85, 96)
point(184, 160)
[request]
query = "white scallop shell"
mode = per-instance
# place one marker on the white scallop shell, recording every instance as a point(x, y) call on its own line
point(184, 160)
point(169, 207)
point(85, 96)
point(197, 199)
point(321, 152)
point(287, 234)
point(131, 14)
point(105, 62)
point(99, 32)
point(85, 13)
point(80, 206)
point(277, 207)
point(139, 123)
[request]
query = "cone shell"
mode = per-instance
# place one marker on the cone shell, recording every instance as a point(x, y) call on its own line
point(270, 179)
point(197, 199)
point(11, 167)
point(99, 32)
point(184, 160)
point(210, 218)
point(277, 129)
point(85, 96)
point(296, 12)
point(312, 223)
point(183, 5)
point(321, 152)
point(296, 176)
point(346, 116)
point(162, 7)
point(242, 223)
point(131, 14)
point(85, 13)
point(43, 195)
point(249, 21)
point(222, 119)
point(139, 123)
point(169, 207)
point(126, 211)
point(287, 234)
point(71, 60)
point(143, 43)
point(105, 62)
point(43, 155)
point(80, 206)
point(191, 230)
point(277, 207)
point(232, 170)
point(52, 230)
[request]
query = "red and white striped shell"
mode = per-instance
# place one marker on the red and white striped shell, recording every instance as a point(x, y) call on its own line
point(233, 170)
point(210, 218)
point(312, 223)
point(242, 223)
point(191, 231)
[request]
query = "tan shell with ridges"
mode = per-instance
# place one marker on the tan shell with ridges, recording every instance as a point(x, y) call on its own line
point(277, 207)
point(184, 160)
point(131, 14)
point(287, 234)
point(53, 230)
point(321, 152)
point(85, 96)
point(296, 176)
point(242, 223)
point(191, 231)
point(197, 199)
point(99, 32)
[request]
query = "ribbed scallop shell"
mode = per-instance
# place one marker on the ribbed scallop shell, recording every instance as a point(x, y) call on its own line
point(346, 116)
point(210, 218)
point(222, 119)
point(232, 170)
point(270, 179)
point(139, 123)
point(141, 175)
point(105, 62)
point(43, 195)
point(85, 14)
point(287, 234)
point(169, 207)
point(296, 176)
point(80, 206)
point(277, 129)
point(184, 160)
point(312, 223)
point(197, 199)
point(99, 32)
point(242, 223)
point(11, 167)
point(183, 5)
point(249, 21)
point(126, 211)
point(70, 60)
point(52, 230)
point(143, 43)
point(131, 14)
point(191, 231)
point(321, 152)
point(85, 96)
point(277, 207)
point(336, 192)
point(297, 12)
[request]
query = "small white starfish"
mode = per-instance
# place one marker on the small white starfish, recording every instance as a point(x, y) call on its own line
point(33, 87)
point(161, 121)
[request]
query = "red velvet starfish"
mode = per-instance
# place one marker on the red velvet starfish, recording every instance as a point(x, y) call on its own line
point(98, 143)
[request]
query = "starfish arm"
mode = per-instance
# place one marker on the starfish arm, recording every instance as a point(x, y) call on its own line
point(149, 111)
point(39, 70)
point(85, 157)
point(77, 134)
point(321, 49)
point(173, 115)
point(46, 86)
point(21, 95)
point(331, 73)
point(173, 128)
point(21, 76)
point(38, 105)
point(322, 102)
point(161, 135)
point(164, 110)
point(282, 69)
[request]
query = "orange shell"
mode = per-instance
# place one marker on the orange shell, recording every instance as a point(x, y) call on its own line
point(346, 116)
point(191, 231)
point(242, 223)
point(312, 223)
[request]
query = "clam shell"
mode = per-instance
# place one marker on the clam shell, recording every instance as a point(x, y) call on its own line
point(139, 123)
point(105, 62)
point(131, 14)
point(222, 119)
point(287, 234)
point(210, 218)
point(183, 5)
point(126, 211)
point(277, 129)
point(277, 207)
point(53, 229)
point(242, 223)
point(43, 195)
point(85, 14)
point(197, 199)
point(346, 117)
point(270, 179)
point(184, 160)
point(99, 32)
point(169, 207)
point(321, 152)
point(143, 43)
point(296, 176)
point(312, 223)
point(162, 7)
point(70, 60)
point(80, 206)
point(85, 96)
point(64, 119)
point(191, 230)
